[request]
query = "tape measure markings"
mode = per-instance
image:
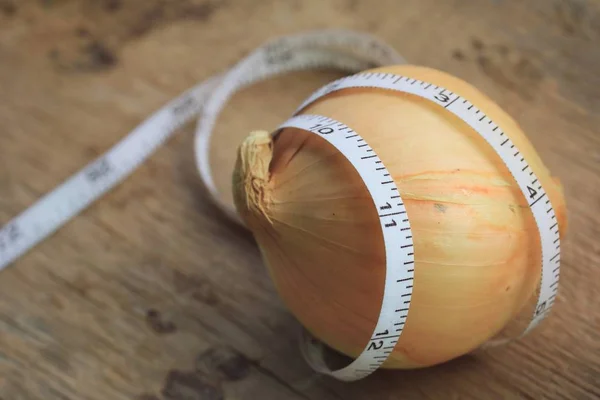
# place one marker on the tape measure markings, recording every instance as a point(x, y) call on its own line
point(69, 198)
point(396, 236)
point(344, 50)
point(524, 176)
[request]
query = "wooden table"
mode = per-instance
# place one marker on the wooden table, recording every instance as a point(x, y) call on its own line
point(151, 294)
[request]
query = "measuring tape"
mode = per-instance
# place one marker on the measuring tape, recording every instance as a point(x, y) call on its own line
point(345, 50)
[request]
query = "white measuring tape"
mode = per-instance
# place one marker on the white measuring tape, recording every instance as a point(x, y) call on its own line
point(351, 52)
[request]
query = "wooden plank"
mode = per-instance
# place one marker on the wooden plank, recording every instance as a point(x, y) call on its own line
point(151, 294)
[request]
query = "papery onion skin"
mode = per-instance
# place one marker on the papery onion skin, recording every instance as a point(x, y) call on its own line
point(477, 250)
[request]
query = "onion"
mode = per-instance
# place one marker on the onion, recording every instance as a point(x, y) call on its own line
point(477, 248)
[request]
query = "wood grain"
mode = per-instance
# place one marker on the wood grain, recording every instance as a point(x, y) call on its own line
point(150, 294)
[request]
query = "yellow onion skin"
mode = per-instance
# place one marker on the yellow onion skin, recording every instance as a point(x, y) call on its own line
point(476, 246)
